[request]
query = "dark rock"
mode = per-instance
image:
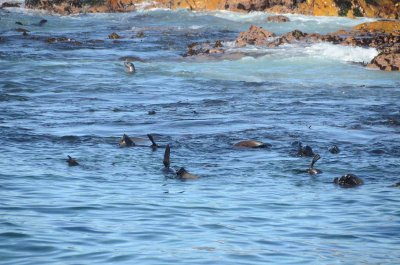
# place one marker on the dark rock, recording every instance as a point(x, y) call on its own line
point(348, 181)
point(11, 4)
point(203, 49)
point(386, 62)
point(278, 19)
point(290, 37)
point(21, 30)
point(254, 36)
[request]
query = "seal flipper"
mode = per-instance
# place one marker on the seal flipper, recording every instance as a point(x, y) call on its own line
point(167, 154)
point(314, 160)
point(153, 143)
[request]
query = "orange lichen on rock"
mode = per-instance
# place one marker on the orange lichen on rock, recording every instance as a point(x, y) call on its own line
point(386, 26)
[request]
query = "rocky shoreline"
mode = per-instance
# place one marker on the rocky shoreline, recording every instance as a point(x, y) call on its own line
point(382, 35)
point(348, 8)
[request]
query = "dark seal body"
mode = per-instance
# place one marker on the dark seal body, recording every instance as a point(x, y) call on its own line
point(183, 174)
point(348, 181)
point(72, 162)
point(126, 141)
point(250, 144)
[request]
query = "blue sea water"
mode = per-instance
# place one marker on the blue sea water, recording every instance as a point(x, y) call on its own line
point(248, 206)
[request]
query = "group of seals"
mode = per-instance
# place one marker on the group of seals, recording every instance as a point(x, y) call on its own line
point(346, 181)
point(126, 141)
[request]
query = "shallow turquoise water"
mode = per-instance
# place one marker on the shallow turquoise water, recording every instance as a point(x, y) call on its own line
point(248, 206)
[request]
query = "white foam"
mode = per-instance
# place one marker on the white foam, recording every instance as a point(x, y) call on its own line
point(238, 16)
point(341, 53)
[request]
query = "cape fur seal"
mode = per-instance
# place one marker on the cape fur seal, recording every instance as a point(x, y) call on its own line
point(251, 144)
point(130, 67)
point(334, 149)
point(126, 141)
point(312, 170)
point(72, 161)
point(181, 173)
point(348, 181)
point(304, 151)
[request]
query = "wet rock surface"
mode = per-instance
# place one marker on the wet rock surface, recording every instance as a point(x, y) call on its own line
point(254, 36)
point(384, 36)
point(278, 19)
point(204, 48)
point(10, 4)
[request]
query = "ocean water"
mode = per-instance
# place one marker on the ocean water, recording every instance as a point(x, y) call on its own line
point(248, 206)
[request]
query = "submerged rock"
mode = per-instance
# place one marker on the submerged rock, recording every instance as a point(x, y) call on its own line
point(254, 36)
point(278, 19)
point(204, 48)
point(290, 37)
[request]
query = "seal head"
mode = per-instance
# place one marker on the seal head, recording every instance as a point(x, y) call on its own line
point(334, 149)
point(129, 67)
point(126, 141)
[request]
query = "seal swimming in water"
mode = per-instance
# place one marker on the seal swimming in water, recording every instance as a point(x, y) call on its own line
point(183, 174)
point(251, 144)
point(72, 162)
point(334, 149)
point(126, 141)
point(153, 143)
point(348, 181)
point(396, 185)
point(167, 154)
point(312, 170)
point(129, 67)
point(304, 151)
point(42, 22)
point(167, 162)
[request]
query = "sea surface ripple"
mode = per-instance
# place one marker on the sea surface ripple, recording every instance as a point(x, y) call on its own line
point(248, 206)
